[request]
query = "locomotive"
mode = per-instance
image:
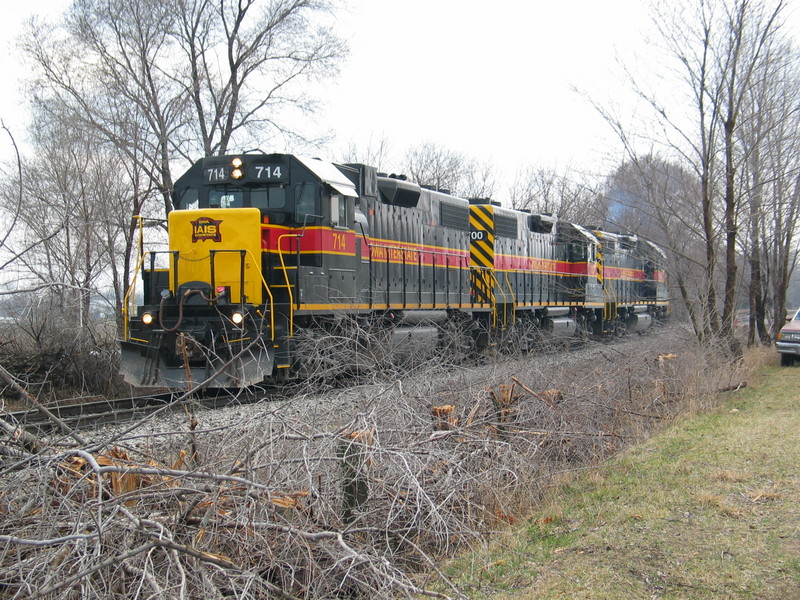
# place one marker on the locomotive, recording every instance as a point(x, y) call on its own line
point(269, 251)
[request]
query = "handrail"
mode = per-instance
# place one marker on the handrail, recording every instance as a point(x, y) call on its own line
point(241, 281)
point(131, 291)
point(286, 271)
point(608, 292)
point(269, 293)
point(141, 233)
point(286, 278)
point(447, 252)
point(513, 299)
point(492, 276)
point(486, 281)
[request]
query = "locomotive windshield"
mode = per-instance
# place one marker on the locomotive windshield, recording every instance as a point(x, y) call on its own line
point(265, 198)
point(225, 199)
point(271, 197)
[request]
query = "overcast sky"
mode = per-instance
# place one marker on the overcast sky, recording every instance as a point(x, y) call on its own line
point(493, 80)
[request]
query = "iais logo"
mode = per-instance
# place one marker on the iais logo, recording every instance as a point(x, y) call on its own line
point(206, 228)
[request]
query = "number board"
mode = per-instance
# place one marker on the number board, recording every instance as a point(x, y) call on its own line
point(271, 173)
point(215, 174)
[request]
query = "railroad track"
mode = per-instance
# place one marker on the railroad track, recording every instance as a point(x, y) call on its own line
point(81, 415)
point(84, 415)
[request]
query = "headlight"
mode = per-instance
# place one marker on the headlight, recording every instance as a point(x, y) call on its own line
point(237, 318)
point(237, 163)
point(147, 318)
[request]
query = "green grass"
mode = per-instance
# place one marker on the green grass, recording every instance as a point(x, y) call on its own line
point(708, 509)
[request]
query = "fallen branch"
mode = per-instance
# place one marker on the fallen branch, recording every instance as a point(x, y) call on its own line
point(732, 388)
point(623, 410)
point(28, 441)
point(549, 397)
point(9, 379)
point(556, 433)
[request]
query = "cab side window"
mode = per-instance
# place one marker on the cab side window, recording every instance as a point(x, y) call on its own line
point(338, 211)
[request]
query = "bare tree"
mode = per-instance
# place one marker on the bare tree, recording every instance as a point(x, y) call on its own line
point(478, 179)
point(153, 78)
point(566, 195)
point(103, 71)
point(657, 199)
point(717, 49)
point(751, 28)
point(435, 166)
point(78, 210)
point(61, 239)
point(768, 138)
point(535, 190)
point(57, 203)
point(247, 61)
point(376, 153)
point(442, 169)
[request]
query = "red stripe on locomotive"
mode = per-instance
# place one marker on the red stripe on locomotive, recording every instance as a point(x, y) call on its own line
point(622, 273)
point(331, 241)
point(505, 262)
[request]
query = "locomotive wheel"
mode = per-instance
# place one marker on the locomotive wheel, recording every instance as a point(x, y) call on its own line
point(584, 329)
point(619, 328)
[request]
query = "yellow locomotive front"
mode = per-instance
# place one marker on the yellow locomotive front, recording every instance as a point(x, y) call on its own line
point(207, 315)
point(218, 249)
point(204, 320)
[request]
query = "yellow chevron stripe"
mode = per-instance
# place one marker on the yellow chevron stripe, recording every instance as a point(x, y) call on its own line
point(481, 252)
point(481, 255)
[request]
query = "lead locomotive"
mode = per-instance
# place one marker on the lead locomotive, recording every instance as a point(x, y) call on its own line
point(269, 251)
